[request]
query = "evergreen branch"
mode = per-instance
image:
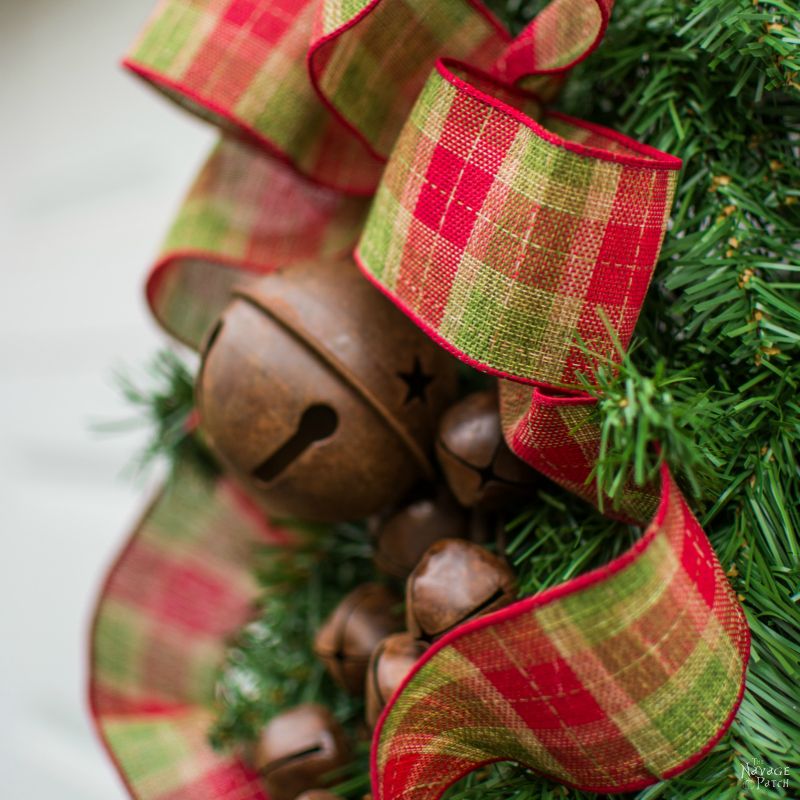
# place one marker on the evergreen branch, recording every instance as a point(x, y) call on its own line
point(272, 666)
point(656, 417)
point(165, 405)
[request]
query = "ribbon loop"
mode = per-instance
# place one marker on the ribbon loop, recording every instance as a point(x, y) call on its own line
point(624, 676)
point(245, 216)
point(510, 242)
point(233, 62)
point(559, 37)
point(370, 59)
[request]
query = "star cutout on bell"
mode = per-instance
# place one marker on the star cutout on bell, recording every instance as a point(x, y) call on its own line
point(417, 381)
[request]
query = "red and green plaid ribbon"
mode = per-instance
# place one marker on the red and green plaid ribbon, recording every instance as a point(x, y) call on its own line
point(626, 675)
point(180, 589)
point(523, 241)
point(245, 216)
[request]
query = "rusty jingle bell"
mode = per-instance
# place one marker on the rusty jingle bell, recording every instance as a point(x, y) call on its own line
point(321, 394)
point(318, 794)
point(391, 662)
point(454, 582)
point(297, 749)
point(402, 538)
point(477, 463)
point(348, 637)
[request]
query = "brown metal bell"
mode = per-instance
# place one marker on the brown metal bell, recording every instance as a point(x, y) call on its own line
point(454, 582)
point(318, 391)
point(318, 794)
point(355, 628)
point(402, 539)
point(391, 662)
point(297, 749)
point(477, 463)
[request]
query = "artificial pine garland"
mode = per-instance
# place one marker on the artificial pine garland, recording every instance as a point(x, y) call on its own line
point(713, 378)
point(165, 404)
point(273, 666)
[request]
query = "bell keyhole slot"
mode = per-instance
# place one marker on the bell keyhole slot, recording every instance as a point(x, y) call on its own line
point(317, 423)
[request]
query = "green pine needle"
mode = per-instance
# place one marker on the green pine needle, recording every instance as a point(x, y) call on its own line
point(272, 666)
point(164, 403)
point(649, 418)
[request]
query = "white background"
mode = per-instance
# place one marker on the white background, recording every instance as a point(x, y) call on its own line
point(92, 168)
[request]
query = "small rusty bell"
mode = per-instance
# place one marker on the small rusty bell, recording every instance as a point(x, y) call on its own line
point(454, 582)
point(402, 539)
point(389, 666)
point(315, 389)
point(477, 463)
point(348, 637)
point(297, 749)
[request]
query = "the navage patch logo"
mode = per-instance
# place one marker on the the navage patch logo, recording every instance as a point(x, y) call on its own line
point(755, 772)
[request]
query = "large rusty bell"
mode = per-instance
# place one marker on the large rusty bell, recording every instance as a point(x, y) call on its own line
point(321, 394)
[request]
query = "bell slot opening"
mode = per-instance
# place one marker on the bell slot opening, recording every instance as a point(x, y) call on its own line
point(205, 349)
point(476, 612)
point(299, 755)
point(317, 423)
point(212, 337)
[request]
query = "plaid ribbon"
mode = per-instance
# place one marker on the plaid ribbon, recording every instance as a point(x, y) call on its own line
point(557, 435)
point(509, 241)
point(180, 588)
point(523, 241)
point(344, 73)
point(624, 676)
point(245, 216)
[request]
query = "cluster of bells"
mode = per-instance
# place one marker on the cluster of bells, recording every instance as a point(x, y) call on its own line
point(365, 649)
point(328, 403)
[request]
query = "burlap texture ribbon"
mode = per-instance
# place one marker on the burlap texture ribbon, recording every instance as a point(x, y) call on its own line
point(181, 586)
point(524, 242)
